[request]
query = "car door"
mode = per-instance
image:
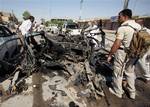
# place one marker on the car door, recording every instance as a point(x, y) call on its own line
point(3, 48)
point(7, 42)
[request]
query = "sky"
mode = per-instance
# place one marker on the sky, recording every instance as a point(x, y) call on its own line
point(48, 9)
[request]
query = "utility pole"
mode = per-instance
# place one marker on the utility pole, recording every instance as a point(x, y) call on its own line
point(13, 16)
point(81, 3)
point(125, 4)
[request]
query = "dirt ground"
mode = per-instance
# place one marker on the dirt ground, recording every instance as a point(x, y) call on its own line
point(142, 98)
point(109, 100)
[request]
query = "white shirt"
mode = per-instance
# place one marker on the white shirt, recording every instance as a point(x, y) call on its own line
point(25, 27)
point(125, 32)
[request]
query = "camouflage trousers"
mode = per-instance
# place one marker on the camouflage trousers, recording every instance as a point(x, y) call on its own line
point(123, 67)
point(143, 65)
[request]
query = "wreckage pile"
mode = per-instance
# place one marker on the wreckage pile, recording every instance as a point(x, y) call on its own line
point(73, 58)
point(82, 67)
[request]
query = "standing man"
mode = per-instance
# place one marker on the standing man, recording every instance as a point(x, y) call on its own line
point(144, 63)
point(123, 38)
point(26, 28)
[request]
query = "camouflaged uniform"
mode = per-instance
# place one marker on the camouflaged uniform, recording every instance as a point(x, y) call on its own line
point(125, 34)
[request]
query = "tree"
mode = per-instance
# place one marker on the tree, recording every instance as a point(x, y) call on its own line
point(47, 23)
point(26, 15)
point(58, 22)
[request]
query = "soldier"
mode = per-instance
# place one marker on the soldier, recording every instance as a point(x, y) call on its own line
point(123, 38)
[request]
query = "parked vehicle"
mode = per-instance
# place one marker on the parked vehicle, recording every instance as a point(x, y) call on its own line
point(71, 28)
point(8, 47)
point(54, 29)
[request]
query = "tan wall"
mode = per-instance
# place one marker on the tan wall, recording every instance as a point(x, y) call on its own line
point(114, 25)
point(6, 19)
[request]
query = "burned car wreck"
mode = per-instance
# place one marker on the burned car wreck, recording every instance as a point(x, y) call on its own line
point(9, 50)
point(74, 68)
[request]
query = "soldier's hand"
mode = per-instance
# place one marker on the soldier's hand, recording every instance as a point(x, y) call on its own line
point(109, 57)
